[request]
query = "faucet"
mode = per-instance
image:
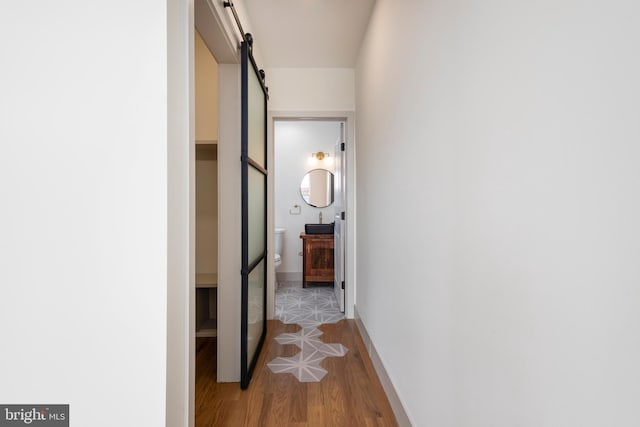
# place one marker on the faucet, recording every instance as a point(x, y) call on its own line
point(320, 217)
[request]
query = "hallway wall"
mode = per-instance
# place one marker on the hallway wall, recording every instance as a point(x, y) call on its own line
point(498, 204)
point(311, 89)
point(83, 223)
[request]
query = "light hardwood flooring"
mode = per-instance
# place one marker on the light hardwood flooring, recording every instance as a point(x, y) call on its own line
point(349, 395)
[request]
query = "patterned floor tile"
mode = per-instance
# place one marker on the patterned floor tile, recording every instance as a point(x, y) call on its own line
point(305, 338)
point(305, 366)
point(308, 308)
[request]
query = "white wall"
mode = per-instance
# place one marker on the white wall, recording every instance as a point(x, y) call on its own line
point(206, 92)
point(294, 143)
point(498, 205)
point(311, 89)
point(206, 208)
point(83, 179)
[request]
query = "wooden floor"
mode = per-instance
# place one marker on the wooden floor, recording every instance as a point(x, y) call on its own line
point(349, 395)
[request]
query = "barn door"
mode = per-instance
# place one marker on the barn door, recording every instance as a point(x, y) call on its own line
point(254, 214)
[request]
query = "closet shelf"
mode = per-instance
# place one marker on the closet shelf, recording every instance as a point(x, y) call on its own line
point(208, 329)
point(206, 280)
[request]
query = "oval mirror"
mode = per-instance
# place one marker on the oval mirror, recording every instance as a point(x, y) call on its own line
point(316, 188)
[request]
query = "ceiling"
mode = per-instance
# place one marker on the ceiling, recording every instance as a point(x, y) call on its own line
point(309, 33)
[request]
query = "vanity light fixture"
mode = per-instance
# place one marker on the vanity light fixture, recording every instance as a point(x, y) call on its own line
point(320, 158)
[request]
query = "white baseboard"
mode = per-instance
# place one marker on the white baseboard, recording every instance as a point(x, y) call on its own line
point(387, 385)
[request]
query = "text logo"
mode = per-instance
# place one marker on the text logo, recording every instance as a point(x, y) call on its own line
point(34, 415)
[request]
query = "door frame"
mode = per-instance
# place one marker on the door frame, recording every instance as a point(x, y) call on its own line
point(350, 206)
point(218, 30)
point(339, 150)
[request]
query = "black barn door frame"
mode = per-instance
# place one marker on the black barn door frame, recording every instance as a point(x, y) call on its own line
point(248, 361)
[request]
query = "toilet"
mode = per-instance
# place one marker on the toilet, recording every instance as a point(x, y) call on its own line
point(279, 237)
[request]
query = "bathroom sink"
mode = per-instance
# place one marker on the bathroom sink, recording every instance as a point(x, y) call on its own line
point(318, 228)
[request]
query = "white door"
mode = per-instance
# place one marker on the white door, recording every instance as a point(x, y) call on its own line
point(339, 229)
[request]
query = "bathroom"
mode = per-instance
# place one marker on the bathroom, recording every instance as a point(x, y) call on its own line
point(295, 141)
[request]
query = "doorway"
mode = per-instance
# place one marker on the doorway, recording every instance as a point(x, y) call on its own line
point(304, 151)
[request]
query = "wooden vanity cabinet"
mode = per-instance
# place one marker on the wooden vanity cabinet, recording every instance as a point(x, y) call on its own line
point(317, 258)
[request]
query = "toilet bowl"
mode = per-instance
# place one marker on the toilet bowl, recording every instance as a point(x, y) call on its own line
point(279, 237)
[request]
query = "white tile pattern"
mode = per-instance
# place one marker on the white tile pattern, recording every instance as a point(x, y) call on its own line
point(308, 308)
point(305, 366)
